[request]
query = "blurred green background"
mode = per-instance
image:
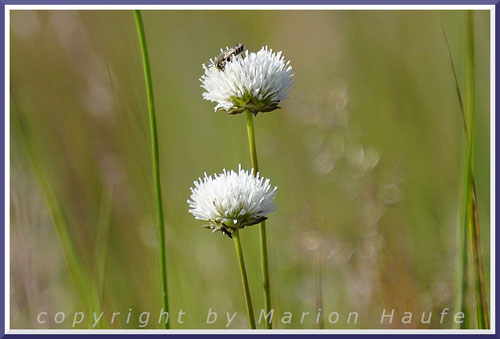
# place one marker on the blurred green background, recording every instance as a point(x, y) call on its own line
point(366, 155)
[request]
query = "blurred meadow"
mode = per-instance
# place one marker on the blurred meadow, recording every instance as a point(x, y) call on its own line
point(366, 155)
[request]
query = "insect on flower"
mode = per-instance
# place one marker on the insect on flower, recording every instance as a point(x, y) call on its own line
point(226, 56)
point(252, 82)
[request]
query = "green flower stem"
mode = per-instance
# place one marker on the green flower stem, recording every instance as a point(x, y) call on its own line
point(156, 161)
point(244, 279)
point(262, 233)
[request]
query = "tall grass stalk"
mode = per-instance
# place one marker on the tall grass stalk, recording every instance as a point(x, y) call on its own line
point(471, 197)
point(470, 234)
point(244, 280)
point(262, 230)
point(85, 288)
point(462, 276)
point(156, 160)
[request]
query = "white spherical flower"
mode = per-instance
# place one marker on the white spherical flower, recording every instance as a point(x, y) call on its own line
point(254, 82)
point(232, 200)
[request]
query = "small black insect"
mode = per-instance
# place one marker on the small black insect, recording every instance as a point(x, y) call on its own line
point(226, 232)
point(226, 56)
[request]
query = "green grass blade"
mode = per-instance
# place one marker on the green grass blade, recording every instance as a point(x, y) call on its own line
point(474, 232)
point(83, 284)
point(462, 276)
point(470, 234)
point(455, 78)
point(156, 160)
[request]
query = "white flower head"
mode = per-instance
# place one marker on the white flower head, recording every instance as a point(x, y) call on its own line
point(232, 200)
point(254, 82)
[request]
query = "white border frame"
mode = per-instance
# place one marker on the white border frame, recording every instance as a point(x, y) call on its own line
point(8, 8)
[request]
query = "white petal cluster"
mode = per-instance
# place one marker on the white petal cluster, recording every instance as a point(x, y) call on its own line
point(253, 81)
point(231, 198)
